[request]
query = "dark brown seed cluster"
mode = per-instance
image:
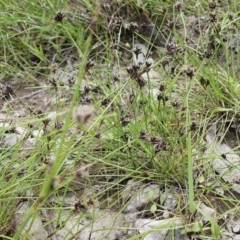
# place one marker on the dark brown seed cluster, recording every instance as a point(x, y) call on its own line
point(54, 84)
point(161, 96)
point(86, 89)
point(97, 135)
point(79, 207)
point(116, 24)
point(189, 72)
point(125, 120)
point(133, 26)
point(86, 100)
point(161, 146)
point(90, 64)
point(105, 102)
point(136, 72)
point(236, 179)
point(46, 122)
point(59, 17)
point(58, 125)
point(71, 82)
point(143, 135)
point(7, 91)
point(45, 160)
point(176, 104)
point(212, 17)
point(193, 126)
point(224, 156)
point(158, 143)
point(208, 53)
point(204, 82)
point(179, 6)
point(155, 140)
point(173, 49)
point(165, 62)
point(116, 77)
point(162, 88)
point(137, 50)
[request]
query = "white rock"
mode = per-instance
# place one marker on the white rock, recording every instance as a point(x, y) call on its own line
point(233, 226)
point(21, 131)
point(107, 226)
point(3, 117)
point(236, 229)
point(37, 133)
point(34, 228)
point(131, 188)
point(166, 214)
point(219, 191)
point(227, 166)
point(178, 235)
point(161, 226)
point(52, 115)
point(97, 225)
point(170, 202)
point(154, 91)
point(4, 125)
point(142, 197)
point(68, 200)
point(10, 139)
point(211, 213)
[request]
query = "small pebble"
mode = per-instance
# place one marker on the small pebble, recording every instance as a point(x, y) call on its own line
point(236, 229)
point(166, 214)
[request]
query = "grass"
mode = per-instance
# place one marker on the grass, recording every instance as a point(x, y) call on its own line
point(132, 134)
